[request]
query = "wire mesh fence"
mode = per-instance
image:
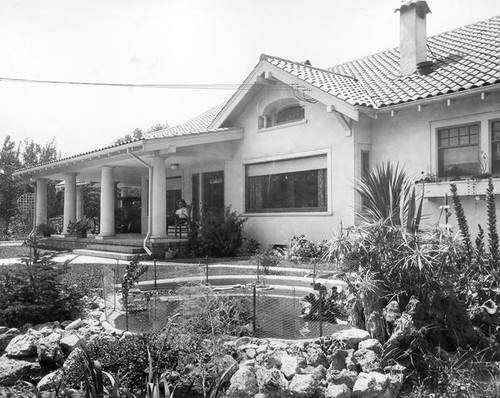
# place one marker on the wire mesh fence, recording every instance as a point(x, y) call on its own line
point(276, 305)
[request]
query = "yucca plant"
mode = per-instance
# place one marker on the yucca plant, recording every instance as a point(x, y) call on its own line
point(388, 194)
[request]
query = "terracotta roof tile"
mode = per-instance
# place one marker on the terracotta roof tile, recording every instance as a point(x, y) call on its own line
point(463, 58)
point(196, 125)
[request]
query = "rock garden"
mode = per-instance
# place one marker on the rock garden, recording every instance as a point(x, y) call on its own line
point(422, 303)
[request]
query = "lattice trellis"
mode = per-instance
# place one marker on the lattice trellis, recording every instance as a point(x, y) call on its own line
point(26, 202)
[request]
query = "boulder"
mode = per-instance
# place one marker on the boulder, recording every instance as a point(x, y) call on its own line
point(23, 345)
point(367, 360)
point(7, 336)
point(304, 385)
point(12, 370)
point(47, 327)
point(271, 382)
point(316, 357)
point(69, 342)
point(351, 337)
point(51, 381)
point(243, 383)
point(289, 365)
point(49, 350)
point(76, 324)
point(337, 391)
point(350, 361)
point(373, 345)
point(347, 377)
point(371, 385)
point(337, 360)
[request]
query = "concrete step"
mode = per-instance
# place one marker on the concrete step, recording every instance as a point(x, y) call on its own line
point(105, 254)
point(105, 247)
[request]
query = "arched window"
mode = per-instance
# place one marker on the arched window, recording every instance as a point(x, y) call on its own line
point(289, 114)
point(280, 112)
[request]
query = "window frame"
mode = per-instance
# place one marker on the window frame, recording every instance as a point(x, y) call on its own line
point(491, 142)
point(268, 119)
point(441, 149)
point(289, 211)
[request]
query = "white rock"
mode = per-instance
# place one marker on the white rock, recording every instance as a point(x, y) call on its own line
point(75, 325)
point(351, 337)
point(69, 342)
point(371, 384)
point(337, 391)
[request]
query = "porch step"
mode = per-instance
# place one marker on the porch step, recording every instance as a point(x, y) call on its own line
point(104, 254)
point(118, 248)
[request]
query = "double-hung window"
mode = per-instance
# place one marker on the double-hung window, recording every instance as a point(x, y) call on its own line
point(292, 185)
point(495, 147)
point(458, 150)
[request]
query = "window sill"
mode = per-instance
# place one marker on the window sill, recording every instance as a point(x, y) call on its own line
point(282, 126)
point(469, 187)
point(291, 214)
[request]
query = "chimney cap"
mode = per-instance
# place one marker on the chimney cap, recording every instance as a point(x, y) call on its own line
point(421, 6)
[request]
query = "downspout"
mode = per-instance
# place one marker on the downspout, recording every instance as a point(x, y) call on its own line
point(150, 200)
point(33, 231)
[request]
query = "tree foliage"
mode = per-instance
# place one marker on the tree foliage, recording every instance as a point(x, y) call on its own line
point(137, 133)
point(14, 156)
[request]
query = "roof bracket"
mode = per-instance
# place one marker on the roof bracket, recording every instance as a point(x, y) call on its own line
point(345, 121)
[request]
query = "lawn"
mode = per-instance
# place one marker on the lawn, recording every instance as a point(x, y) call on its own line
point(14, 251)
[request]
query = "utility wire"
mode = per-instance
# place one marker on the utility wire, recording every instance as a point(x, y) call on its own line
point(143, 85)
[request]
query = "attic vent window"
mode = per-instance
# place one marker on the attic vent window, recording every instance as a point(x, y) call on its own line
point(278, 114)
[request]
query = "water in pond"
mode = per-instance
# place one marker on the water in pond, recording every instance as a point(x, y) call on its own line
point(277, 317)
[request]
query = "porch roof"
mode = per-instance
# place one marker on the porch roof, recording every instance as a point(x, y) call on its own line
point(186, 144)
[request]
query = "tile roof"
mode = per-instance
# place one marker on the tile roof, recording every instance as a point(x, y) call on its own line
point(344, 86)
point(463, 58)
point(197, 125)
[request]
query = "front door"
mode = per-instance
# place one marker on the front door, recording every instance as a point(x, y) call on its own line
point(208, 192)
point(213, 190)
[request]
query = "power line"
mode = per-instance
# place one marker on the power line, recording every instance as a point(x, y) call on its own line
point(184, 86)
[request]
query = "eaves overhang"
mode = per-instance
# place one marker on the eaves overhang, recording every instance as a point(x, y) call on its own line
point(117, 153)
point(481, 92)
point(71, 161)
point(266, 70)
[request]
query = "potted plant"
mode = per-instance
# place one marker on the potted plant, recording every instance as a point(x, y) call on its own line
point(79, 228)
point(44, 229)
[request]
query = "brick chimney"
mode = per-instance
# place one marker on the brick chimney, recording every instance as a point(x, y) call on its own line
point(413, 37)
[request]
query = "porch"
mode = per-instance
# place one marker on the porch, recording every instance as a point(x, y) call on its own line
point(120, 247)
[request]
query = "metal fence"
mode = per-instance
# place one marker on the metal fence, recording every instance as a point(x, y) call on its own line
point(289, 305)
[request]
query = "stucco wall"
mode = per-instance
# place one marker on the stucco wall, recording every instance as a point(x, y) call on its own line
point(320, 134)
point(409, 138)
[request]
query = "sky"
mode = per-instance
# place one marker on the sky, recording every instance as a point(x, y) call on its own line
point(173, 42)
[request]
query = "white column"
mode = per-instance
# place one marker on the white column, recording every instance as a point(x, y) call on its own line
point(79, 204)
point(158, 211)
point(107, 202)
point(144, 203)
point(69, 200)
point(41, 201)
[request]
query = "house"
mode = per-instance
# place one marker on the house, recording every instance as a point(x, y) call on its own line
point(287, 148)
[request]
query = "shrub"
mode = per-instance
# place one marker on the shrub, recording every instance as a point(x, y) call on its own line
point(270, 257)
point(128, 356)
point(20, 225)
point(220, 234)
point(35, 294)
point(302, 249)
